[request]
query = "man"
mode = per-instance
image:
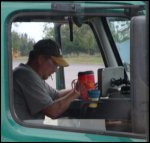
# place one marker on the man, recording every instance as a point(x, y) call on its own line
point(33, 97)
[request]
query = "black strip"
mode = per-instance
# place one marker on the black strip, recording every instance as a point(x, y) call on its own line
point(71, 28)
point(112, 43)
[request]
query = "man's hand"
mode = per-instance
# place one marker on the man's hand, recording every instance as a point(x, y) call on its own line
point(75, 86)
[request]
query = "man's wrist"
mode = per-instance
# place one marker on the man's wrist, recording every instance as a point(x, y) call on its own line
point(76, 92)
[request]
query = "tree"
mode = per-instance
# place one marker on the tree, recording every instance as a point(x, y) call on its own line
point(83, 39)
point(49, 31)
point(21, 43)
point(15, 41)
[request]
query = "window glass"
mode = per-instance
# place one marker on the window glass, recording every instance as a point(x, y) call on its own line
point(120, 29)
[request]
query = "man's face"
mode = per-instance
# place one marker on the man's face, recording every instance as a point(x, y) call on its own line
point(47, 67)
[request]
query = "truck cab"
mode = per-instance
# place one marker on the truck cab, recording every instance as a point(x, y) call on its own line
point(109, 38)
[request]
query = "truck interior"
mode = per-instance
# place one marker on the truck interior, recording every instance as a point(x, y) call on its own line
point(122, 105)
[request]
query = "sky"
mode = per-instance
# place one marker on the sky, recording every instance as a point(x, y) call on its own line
point(34, 30)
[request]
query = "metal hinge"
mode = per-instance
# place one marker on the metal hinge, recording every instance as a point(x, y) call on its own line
point(65, 7)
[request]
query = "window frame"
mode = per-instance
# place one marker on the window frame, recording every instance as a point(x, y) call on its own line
point(51, 127)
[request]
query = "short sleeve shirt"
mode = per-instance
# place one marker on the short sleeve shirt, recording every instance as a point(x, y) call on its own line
point(31, 93)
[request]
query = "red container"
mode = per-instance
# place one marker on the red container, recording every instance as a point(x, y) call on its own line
point(86, 82)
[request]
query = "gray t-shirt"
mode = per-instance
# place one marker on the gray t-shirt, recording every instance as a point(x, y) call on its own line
point(31, 93)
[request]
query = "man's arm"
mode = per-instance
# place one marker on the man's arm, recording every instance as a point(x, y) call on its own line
point(64, 92)
point(61, 104)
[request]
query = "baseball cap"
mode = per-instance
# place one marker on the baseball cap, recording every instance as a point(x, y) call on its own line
point(50, 48)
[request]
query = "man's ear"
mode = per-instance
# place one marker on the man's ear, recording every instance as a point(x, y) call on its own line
point(41, 60)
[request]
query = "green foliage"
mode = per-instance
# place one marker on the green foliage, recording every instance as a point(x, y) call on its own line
point(15, 41)
point(83, 39)
point(48, 31)
point(21, 43)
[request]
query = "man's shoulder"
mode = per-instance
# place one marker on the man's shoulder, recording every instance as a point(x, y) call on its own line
point(25, 73)
point(23, 70)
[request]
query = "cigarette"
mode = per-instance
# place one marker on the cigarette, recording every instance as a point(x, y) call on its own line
point(51, 77)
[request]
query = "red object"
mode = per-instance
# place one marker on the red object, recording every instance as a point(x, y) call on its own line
point(86, 82)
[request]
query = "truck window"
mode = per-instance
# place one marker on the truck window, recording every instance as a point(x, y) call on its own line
point(83, 54)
